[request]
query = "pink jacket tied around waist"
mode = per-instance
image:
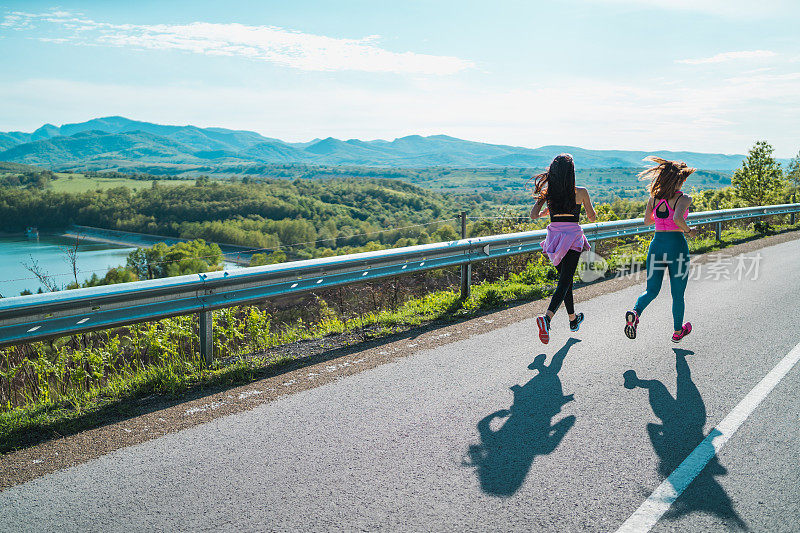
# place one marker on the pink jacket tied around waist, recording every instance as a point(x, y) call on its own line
point(563, 237)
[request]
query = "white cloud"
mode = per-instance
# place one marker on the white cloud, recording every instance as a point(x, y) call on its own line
point(729, 56)
point(271, 44)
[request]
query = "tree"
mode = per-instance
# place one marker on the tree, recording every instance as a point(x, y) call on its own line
point(605, 213)
point(71, 253)
point(162, 261)
point(793, 173)
point(446, 233)
point(119, 275)
point(760, 175)
point(277, 256)
point(115, 275)
point(40, 273)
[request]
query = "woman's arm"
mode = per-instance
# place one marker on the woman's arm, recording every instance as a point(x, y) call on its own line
point(648, 212)
point(587, 204)
point(537, 211)
point(680, 210)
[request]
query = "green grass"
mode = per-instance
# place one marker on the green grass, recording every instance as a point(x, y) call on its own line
point(72, 387)
point(20, 428)
point(75, 183)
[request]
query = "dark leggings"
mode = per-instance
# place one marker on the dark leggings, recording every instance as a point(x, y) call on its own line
point(563, 293)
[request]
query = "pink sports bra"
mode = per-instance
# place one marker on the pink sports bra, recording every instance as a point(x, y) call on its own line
point(663, 213)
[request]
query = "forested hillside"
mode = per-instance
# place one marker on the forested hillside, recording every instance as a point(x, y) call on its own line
point(264, 214)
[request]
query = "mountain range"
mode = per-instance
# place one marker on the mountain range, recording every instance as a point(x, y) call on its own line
point(119, 143)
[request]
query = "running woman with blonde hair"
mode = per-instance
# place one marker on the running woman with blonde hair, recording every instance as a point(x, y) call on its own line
point(668, 208)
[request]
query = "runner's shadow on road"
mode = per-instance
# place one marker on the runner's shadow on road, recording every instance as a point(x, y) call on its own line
point(504, 455)
point(680, 431)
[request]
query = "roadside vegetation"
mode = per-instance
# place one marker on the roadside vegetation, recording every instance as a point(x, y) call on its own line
point(57, 387)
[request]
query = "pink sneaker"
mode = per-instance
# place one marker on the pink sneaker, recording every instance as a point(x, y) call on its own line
point(685, 330)
point(631, 321)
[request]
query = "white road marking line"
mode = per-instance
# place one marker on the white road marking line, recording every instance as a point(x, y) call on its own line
point(654, 507)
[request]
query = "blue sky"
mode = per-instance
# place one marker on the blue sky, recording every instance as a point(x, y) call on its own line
point(702, 75)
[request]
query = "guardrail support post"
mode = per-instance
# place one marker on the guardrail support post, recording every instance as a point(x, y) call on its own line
point(791, 217)
point(466, 269)
point(206, 337)
point(719, 231)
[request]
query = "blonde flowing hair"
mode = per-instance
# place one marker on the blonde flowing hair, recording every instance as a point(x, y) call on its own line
point(666, 177)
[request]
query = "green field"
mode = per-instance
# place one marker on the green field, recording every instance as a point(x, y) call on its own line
point(80, 183)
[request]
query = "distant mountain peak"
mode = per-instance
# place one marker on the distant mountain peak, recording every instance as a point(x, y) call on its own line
point(327, 145)
point(45, 132)
point(46, 128)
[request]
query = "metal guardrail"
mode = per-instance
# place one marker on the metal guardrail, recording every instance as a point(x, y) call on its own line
point(42, 316)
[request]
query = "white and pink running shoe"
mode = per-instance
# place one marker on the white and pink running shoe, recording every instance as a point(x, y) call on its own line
point(631, 321)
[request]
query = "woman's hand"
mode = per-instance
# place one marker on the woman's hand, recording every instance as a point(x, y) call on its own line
point(537, 211)
point(648, 212)
point(582, 197)
point(691, 233)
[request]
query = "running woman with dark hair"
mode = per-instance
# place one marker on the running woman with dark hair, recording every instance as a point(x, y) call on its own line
point(556, 192)
point(668, 208)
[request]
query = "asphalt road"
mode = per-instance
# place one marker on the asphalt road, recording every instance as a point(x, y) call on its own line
point(496, 432)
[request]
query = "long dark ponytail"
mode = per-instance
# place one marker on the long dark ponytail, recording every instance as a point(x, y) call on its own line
point(556, 185)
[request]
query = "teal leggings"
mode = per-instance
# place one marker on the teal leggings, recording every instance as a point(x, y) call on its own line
point(668, 251)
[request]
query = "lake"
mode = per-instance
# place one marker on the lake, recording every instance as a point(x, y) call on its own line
point(48, 251)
